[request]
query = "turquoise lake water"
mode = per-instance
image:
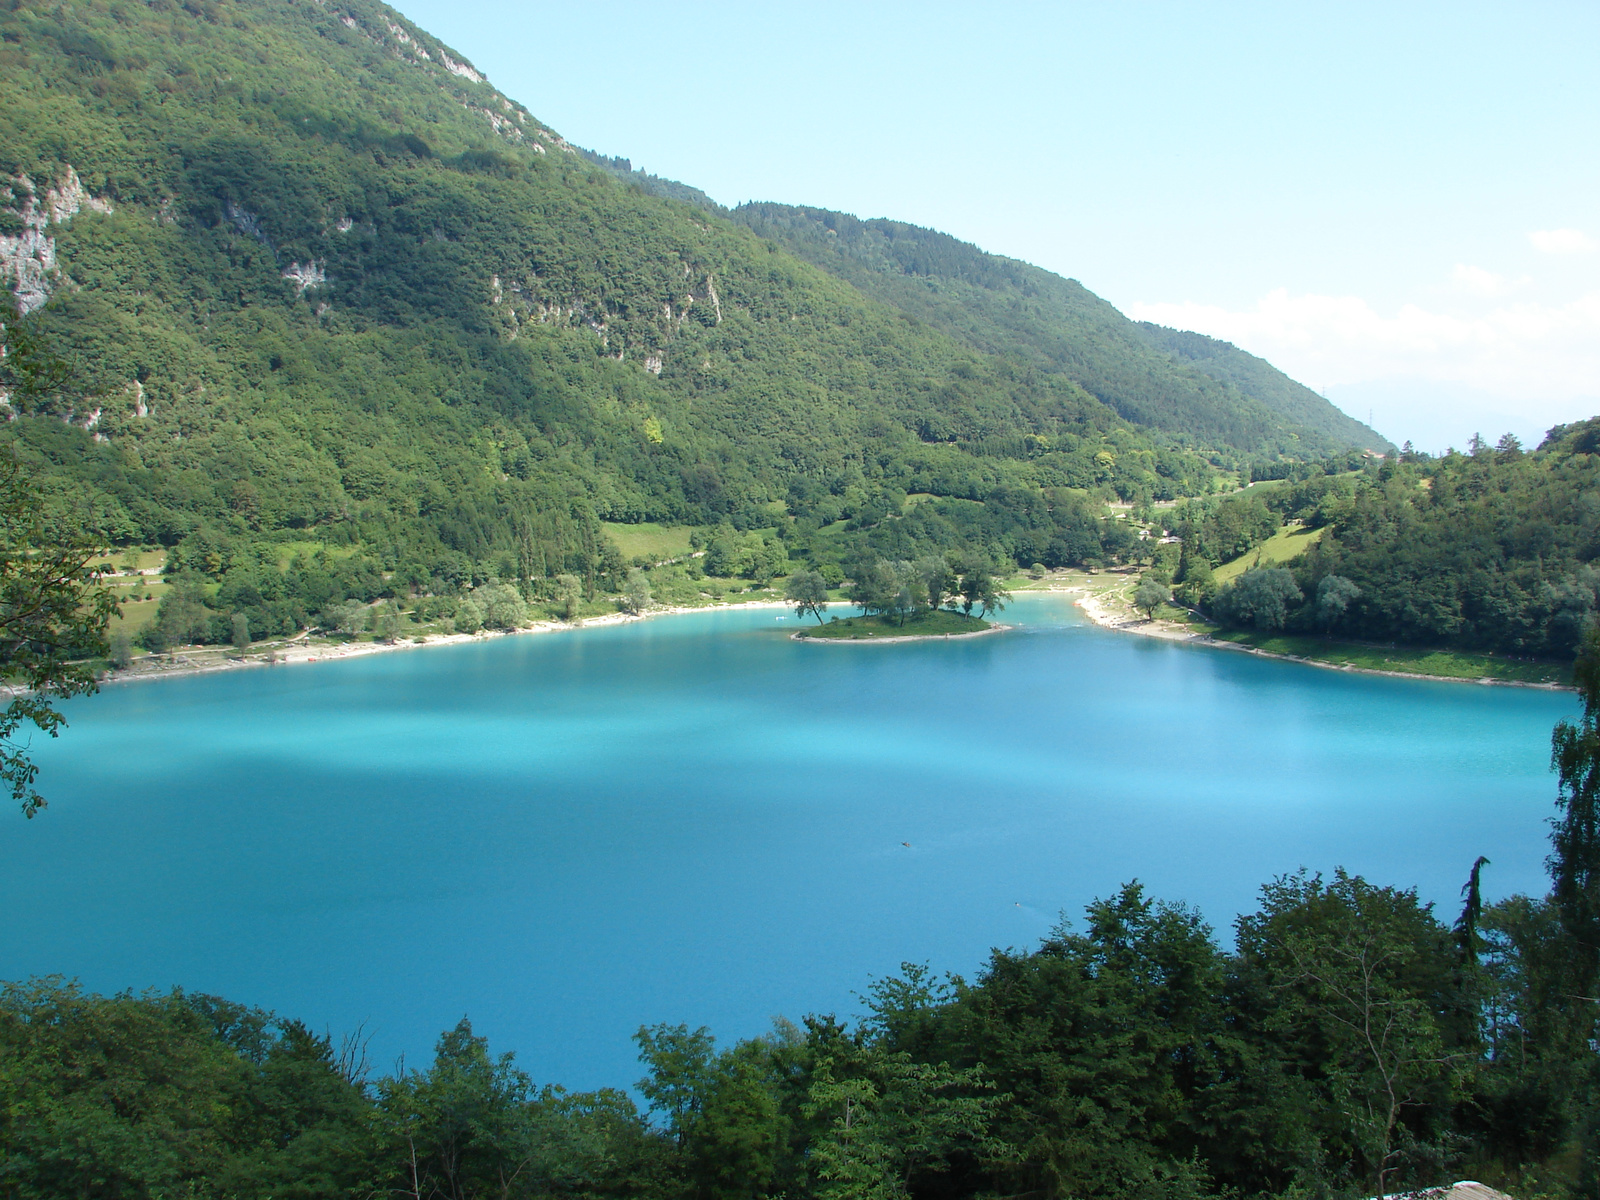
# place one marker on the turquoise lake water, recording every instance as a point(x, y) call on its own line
point(696, 819)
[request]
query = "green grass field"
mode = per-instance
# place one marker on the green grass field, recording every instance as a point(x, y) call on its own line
point(1287, 544)
point(287, 551)
point(937, 624)
point(649, 540)
point(116, 560)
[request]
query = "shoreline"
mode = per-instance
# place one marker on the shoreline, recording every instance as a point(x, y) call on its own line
point(1093, 604)
point(1100, 613)
point(304, 652)
point(910, 637)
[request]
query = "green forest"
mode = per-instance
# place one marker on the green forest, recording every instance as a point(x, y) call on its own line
point(1349, 1042)
point(1489, 550)
point(341, 322)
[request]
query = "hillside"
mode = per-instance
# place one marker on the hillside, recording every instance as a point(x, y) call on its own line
point(322, 285)
point(1491, 551)
point(1263, 383)
point(1153, 377)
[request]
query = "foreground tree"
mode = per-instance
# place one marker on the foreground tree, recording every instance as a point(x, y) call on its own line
point(1364, 981)
point(1575, 837)
point(53, 618)
point(890, 1119)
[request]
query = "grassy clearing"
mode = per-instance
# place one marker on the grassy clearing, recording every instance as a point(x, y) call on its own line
point(139, 599)
point(287, 551)
point(936, 624)
point(1287, 544)
point(649, 540)
point(116, 561)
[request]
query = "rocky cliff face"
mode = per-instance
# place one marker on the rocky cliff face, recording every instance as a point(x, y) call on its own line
point(28, 252)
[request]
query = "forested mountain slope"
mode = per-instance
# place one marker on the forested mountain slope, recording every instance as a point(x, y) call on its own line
point(1262, 382)
point(1153, 377)
point(318, 279)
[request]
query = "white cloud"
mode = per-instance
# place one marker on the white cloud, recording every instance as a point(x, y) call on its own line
point(1476, 281)
point(1513, 349)
point(1562, 241)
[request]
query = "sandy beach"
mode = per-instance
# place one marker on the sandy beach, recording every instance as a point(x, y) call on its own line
point(203, 660)
point(1109, 611)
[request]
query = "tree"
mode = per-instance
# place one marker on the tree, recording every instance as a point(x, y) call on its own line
point(386, 621)
point(680, 1063)
point(726, 556)
point(1575, 836)
point(890, 1118)
point(1466, 927)
point(1334, 595)
point(1260, 597)
point(980, 590)
point(808, 592)
point(120, 654)
point(1149, 596)
point(32, 375)
point(569, 595)
point(241, 632)
point(182, 615)
point(938, 580)
point(973, 582)
point(636, 595)
point(1366, 985)
point(503, 606)
point(904, 594)
point(208, 1098)
point(1099, 1042)
point(767, 560)
point(53, 617)
point(1197, 581)
point(469, 616)
point(873, 586)
point(466, 1125)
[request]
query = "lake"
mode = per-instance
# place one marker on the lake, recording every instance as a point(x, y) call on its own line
point(697, 819)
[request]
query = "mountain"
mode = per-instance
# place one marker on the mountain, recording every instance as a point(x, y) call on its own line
point(1263, 383)
point(1216, 395)
point(321, 284)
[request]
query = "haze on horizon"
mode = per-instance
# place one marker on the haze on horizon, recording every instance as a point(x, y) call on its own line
point(1395, 204)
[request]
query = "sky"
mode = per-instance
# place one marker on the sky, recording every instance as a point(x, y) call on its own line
point(1398, 204)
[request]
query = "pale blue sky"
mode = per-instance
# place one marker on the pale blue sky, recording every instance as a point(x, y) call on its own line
point(1349, 190)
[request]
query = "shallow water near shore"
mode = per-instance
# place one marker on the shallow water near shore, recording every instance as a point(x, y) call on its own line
point(697, 819)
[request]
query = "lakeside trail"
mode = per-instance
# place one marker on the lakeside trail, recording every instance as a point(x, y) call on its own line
point(298, 650)
point(1110, 608)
